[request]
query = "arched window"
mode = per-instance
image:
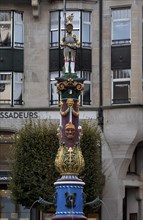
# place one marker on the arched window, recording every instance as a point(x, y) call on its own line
point(136, 163)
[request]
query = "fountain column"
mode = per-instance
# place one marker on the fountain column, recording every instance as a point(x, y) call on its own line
point(69, 162)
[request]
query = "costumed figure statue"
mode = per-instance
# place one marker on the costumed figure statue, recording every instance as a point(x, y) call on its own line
point(70, 43)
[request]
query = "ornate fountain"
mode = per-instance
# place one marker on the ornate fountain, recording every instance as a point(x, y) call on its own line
point(69, 162)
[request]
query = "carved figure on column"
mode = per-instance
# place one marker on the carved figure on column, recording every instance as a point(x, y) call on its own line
point(70, 43)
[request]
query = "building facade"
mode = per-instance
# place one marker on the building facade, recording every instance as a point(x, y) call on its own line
point(109, 58)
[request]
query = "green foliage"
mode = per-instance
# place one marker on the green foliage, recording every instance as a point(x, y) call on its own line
point(92, 174)
point(33, 172)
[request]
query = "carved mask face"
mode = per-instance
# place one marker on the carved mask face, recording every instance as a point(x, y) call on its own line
point(70, 133)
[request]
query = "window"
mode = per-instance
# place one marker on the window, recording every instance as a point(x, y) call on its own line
point(121, 26)
point(10, 210)
point(11, 85)
point(54, 39)
point(86, 29)
point(82, 29)
point(11, 29)
point(7, 139)
point(54, 97)
point(81, 24)
point(121, 86)
point(85, 97)
point(133, 216)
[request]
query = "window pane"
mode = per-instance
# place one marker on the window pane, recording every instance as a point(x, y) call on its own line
point(119, 74)
point(86, 94)
point(53, 89)
point(86, 28)
point(76, 19)
point(121, 30)
point(54, 35)
point(5, 88)
point(121, 25)
point(54, 20)
point(54, 38)
point(6, 203)
point(6, 143)
point(75, 22)
point(54, 95)
point(18, 85)
point(133, 216)
point(86, 33)
point(5, 29)
point(121, 92)
point(24, 212)
point(18, 29)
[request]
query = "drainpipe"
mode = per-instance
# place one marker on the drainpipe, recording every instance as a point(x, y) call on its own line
point(100, 110)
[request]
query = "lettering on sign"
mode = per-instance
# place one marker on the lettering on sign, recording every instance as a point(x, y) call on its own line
point(20, 114)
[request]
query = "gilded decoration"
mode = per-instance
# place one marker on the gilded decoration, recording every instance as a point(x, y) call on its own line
point(69, 160)
point(70, 83)
point(70, 102)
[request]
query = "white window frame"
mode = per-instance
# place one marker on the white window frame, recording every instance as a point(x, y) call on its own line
point(53, 75)
point(122, 19)
point(76, 29)
point(12, 83)
point(3, 23)
point(7, 82)
point(19, 23)
point(85, 44)
point(13, 23)
point(121, 78)
point(53, 45)
point(87, 76)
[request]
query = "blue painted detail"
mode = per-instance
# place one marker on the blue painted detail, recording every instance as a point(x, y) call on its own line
point(69, 213)
point(80, 187)
point(69, 198)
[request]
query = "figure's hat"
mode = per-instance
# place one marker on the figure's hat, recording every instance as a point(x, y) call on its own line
point(69, 20)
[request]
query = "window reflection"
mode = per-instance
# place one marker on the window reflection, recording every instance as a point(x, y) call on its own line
point(5, 29)
point(121, 86)
point(121, 26)
point(81, 27)
point(11, 29)
point(11, 86)
point(6, 205)
point(9, 210)
point(7, 139)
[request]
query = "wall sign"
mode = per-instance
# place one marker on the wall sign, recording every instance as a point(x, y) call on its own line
point(19, 114)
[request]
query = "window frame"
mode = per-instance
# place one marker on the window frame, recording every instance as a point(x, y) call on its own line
point(83, 45)
point(122, 79)
point(116, 20)
point(6, 138)
point(60, 29)
point(53, 81)
point(11, 101)
point(13, 31)
point(87, 76)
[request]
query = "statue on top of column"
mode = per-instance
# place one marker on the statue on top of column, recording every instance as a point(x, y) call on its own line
point(70, 43)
